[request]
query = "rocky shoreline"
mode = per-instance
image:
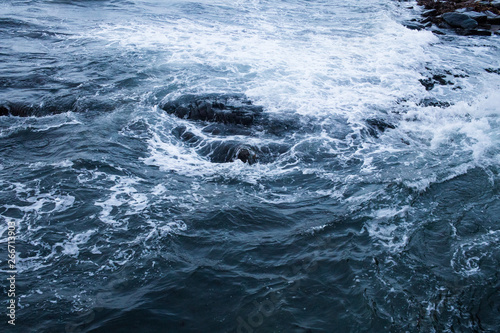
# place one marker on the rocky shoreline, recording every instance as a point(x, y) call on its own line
point(465, 17)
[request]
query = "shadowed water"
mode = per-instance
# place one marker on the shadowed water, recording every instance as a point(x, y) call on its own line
point(360, 192)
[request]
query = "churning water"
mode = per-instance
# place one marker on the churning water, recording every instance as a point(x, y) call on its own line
point(373, 204)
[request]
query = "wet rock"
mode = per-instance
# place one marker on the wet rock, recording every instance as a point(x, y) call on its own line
point(18, 109)
point(429, 13)
point(246, 155)
point(222, 130)
point(438, 32)
point(493, 70)
point(494, 3)
point(459, 20)
point(426, 20)
point(183, 134)
point(221, 149)
point(476, 16)
point(412, 25)
point(492, 18)
point(478, 32)
point(469, 18)
point(217, 151)
point(444, 25)
point(375, 126)
point(433, 102)
point(55, 105)
point(427, 83)
point(221, 108)
point(440, 79)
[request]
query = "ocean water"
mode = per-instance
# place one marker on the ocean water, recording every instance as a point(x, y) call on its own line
point(375, 208)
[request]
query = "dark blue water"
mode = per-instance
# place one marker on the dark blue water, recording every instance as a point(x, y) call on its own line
point(373, 205)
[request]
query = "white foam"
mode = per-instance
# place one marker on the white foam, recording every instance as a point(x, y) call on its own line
point(122, 194)
point(469, 252)
point(71, 246)
point(169, 155)
point(37, 124)
point(389, 228)
point(38, 202)
point(159, 189)
point(62, 164)
point(319, 72)
point(352, 71)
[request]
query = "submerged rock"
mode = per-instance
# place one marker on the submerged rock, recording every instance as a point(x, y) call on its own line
point(439, 79)
point(412, 25)
point(221, 108)
point(493, 70)
point(433, 102)
point(246, 155)
point(225, 150)
point(34, 110)
point(218, 127)
point(55, 105)
point(226, 121)
point(375, 126)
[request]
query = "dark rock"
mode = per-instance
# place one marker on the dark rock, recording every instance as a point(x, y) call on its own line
point(37, 110)
point(492, 70)
point(444, 25)
point(375, 126)
point(427, 83)
point(4, 110)
point(438, 32)
point(413, 25)
point(426, 20)
point(55, 105)
point(221, 140)
point(217, 151)
point(221, 108)
point(459, 20)
point(430, 12)
point(182, 133)
point(440, 79)
point(492, 18)
point(478, 17)
point(246, 155)
point(495, 3)
point(228, 151)
point(478, 32)
point(223, 130)
point(433, 102)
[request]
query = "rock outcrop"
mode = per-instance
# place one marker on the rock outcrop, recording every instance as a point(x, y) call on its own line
point(221, 108)
point(477, 18)
point(222, 118)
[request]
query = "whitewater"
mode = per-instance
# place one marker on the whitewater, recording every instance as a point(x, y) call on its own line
point(371, 203)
